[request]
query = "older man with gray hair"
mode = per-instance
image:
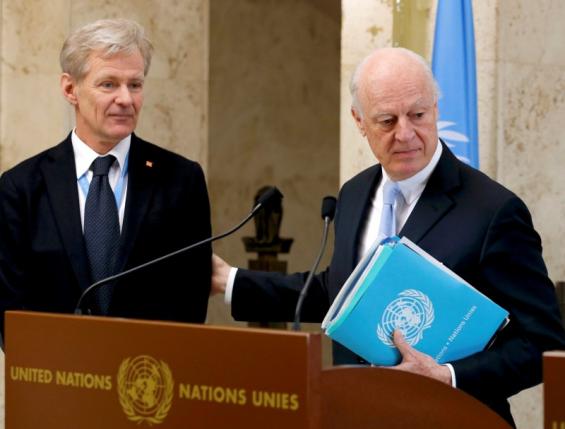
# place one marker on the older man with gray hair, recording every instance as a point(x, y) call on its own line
point(472, 224)
point(104, 200)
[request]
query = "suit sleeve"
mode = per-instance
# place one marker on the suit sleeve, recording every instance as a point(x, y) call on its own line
point(178, 215)
point(200, 229)
point(12, 253)
point(514, 274)
point(272, 297)
point(191, 273)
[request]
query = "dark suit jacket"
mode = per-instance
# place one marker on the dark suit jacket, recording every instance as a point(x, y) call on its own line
point(477, 228)
point(43, 262)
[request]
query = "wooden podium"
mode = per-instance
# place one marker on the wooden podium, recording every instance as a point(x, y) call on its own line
point(554, 389)
point(85, 372)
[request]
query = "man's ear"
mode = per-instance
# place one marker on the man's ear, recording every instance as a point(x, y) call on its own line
point(69, 88)
point(358, 121)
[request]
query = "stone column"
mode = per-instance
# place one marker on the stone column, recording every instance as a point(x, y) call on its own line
point(531, 108)
point(530, 95)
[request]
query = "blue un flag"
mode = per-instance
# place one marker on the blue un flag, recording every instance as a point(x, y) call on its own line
point(453, 64)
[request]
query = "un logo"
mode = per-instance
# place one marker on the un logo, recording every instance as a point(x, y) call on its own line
point(145, 388)
point(412, 312)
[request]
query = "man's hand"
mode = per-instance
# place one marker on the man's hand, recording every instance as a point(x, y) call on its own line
point(220, 272)
point(417, 362)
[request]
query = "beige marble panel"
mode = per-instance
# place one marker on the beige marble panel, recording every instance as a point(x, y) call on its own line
point(366, 25)
point(274, 118)
point(32, 114)
point(31, 34)
point(531, 154)
point(35, 119)
point(486, 43)
point(532, 107)
point(527, 408)
point(174, 117)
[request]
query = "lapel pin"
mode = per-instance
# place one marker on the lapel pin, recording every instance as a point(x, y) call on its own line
point(149, 164)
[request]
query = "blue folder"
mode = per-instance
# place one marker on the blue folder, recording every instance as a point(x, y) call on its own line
point(399, 286)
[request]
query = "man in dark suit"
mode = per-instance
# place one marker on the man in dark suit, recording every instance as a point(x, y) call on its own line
point(158, 200)
point(475, 226)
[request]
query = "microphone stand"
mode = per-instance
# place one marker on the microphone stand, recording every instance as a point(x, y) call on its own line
point(328, 209)
point(272, 192)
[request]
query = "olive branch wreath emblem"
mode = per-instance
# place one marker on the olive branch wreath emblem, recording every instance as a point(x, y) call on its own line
point(128, 406)
point(385, 337)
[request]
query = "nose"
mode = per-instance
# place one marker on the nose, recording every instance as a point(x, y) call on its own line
point(404, 130)
point(123, 96)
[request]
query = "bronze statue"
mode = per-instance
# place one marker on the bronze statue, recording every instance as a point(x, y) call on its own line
point(267, 242)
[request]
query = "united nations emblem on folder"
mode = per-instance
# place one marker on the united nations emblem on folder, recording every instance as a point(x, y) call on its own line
point(412, 313)
point(145, 389)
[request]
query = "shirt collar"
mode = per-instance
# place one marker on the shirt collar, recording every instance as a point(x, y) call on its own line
point(413, 187)
point(84, 155)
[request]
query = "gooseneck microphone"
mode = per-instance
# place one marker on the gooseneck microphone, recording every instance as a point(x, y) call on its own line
point(266, 198)
point(328, 212)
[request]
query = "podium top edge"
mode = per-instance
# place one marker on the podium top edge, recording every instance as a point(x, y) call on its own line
point(554, 353)
point(18, 314)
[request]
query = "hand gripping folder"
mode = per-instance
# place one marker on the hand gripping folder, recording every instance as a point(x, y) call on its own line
point(399, 286)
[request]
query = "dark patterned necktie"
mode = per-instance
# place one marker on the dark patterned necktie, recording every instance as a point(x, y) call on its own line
point(101, 228)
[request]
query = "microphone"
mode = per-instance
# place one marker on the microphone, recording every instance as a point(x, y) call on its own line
point(328, 212)
point(265, 199)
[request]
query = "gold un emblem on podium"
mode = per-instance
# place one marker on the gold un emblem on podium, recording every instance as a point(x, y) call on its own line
point(145, 388)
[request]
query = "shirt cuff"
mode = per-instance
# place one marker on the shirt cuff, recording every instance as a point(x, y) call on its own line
point(229, 285)
point(452, 371)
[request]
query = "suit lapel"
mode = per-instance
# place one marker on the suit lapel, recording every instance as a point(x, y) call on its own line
point(59, 172)
point(141, 184)
point(355, 212)
point(435, 201)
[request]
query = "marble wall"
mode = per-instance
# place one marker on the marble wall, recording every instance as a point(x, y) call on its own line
point(531, 108)
point(33, 115)
point(274, 119)
point(530, 151)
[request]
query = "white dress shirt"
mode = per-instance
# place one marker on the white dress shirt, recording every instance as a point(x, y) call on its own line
point(411, 190)
point(117, 176)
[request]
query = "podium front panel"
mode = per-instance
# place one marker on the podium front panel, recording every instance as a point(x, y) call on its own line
point(93, 372)
point(554, 389)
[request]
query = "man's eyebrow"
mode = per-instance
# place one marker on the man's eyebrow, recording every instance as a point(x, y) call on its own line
point(382, 115)
point(422, 102)
point(112, 75)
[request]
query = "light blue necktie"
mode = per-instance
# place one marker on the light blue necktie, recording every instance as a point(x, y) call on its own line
point(387, 227)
